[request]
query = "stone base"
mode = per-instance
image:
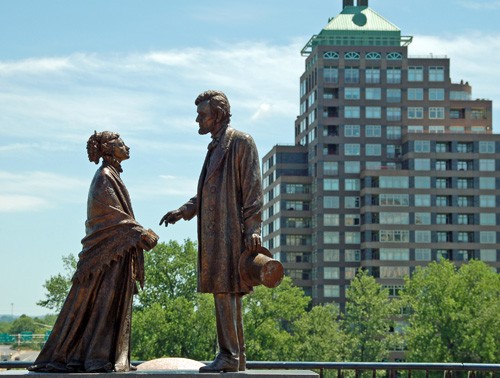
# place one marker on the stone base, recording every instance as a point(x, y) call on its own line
point(168, 373)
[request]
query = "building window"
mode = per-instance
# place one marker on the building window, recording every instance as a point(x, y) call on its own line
point(352, 149)
point(373, 56)
point(443, 219)
point(331, 168)
point(422, 182)
point(487, 183)
point(394, 271)
point(373, 93)
point(373, 112)
point(442, 147)
point(331, 273)
point(351, 202)
point(351, 55)
point(416, 73)
point(422, 254)
point(423, 218)
point(394, 236)
point(436, 73)
point(331, 184)
point(352, 112)
point(352, 255)
point(393, 114)
point(487, 219)
point(331, 237)
point(488, 255)
point(330, 55)
point(422, 164)
point(436, 129)
point(372, 75)
point(351, 75)
point(352, 131)
point(331, 202)
point(487, 237)
point(352, 94)
point(393, 132)
point(487, 201)
point(486, 147)
point(330, 219)
point(352, 238)
point(393, 95)
point(330, 255)
point(415, 129)
point(422, 146)
point(486, 164)
point(331, 291)
point(422, 200)
point(415, 113)
point(393, 75)
point(443, 201)
point(352, 220)
point(436, 113)
point(465, 147)
point(394, 56)
point(331, 75)
point(443, 236)
point(352, 167)
point(415, 94)
point(422, 236)
point(373, 131)
point(373, 150)
point(436, 94)
point(351, 184)
point(442, 165)
point(465, 201)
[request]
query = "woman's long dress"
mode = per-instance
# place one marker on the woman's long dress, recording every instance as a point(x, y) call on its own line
point(92, 332)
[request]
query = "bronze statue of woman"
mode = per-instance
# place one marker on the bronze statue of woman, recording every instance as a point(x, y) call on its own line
point(92, 332)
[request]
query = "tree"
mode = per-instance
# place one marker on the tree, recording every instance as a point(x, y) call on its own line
point(58, 286)
point(269, 315)
point(454, 313)
point(171, 318)
point(317, 335)
point(368, 319)
point(170, 270)
point(23, 324)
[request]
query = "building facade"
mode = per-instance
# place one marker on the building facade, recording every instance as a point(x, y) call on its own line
point(393, 164)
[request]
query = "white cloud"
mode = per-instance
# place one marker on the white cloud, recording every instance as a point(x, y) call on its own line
point(480, 4)
point(33, 191)
point(21, 203)
point(261, 111)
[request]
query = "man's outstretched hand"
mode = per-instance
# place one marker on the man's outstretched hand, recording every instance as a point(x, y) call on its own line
point(171, 217)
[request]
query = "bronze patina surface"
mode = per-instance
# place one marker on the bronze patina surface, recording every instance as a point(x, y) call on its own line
point(92, 332)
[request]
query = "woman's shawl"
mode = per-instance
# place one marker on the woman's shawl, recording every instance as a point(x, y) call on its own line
point(111, 230)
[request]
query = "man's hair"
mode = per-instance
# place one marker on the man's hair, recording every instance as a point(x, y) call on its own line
point(218, 103)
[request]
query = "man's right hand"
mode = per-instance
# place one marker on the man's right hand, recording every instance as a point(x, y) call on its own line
point(171, 217)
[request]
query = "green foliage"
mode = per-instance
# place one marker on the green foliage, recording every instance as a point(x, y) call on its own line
point(170, 270)
point(171, 319)
point(184, 328)
point(368, 318)
point(268, 318)
point(317, 335)
point(23, 324)
point(454, 313)
point(58, 286)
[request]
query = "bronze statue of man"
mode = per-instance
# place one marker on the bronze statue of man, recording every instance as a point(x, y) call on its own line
point(228, 204)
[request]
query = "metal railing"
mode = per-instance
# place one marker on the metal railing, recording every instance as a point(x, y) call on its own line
point(354, 369)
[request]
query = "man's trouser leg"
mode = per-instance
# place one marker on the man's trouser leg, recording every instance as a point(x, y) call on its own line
point(226, 314)
point(241, 335)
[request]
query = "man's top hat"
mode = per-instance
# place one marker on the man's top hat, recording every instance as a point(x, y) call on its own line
point(259, 268)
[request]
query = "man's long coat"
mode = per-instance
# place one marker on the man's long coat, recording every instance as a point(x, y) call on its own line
point(229, 208)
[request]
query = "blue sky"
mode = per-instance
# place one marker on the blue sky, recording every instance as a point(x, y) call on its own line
point(68, 68)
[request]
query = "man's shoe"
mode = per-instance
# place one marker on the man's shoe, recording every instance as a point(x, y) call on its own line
point(220, 365)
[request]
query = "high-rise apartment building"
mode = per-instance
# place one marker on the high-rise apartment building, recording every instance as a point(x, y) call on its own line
point(393, 165)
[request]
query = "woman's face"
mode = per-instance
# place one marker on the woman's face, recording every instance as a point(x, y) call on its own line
point(120, 150)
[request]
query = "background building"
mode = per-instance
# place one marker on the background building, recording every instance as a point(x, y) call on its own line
point(393, 165)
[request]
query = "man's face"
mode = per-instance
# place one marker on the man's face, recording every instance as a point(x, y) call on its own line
point(207, 121)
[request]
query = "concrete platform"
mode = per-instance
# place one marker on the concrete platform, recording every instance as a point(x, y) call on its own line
point(167, 373)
